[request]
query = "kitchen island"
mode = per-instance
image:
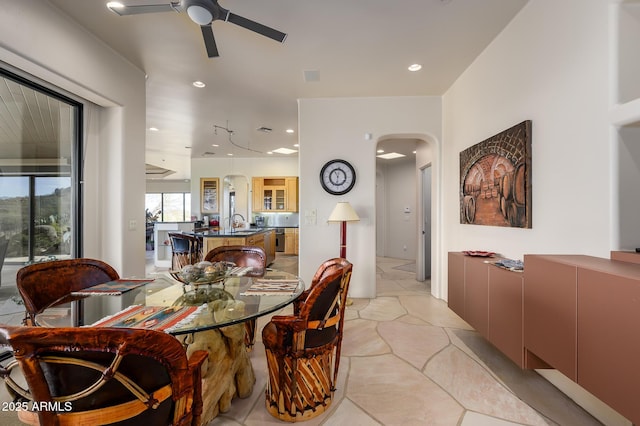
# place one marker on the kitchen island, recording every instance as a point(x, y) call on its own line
point(261, 237)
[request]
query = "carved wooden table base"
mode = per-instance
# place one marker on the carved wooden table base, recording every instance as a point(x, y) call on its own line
point(228, 372)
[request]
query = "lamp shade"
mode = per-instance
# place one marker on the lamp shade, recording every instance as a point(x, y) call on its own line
point(343, 212)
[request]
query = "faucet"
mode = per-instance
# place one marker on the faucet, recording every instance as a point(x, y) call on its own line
point(232, 222)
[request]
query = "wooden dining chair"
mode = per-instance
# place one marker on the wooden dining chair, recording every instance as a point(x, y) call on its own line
point(323, 270)
point(252, 256)
point(303, 349)
point(41, 284)
point(185, 249)
point(96, 376)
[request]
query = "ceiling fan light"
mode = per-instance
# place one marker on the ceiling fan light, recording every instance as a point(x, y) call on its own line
point(115, 5)
point(199, 15)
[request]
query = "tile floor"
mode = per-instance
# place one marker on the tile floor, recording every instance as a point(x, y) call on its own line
point(409, 360)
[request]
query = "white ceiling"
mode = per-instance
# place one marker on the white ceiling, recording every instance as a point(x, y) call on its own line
point(360, 48)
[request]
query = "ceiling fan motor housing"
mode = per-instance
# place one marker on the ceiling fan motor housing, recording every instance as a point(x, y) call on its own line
point(203, 12)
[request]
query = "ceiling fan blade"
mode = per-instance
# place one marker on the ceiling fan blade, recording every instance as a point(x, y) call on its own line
point(256, 27)
point(148, 8)
point(209, 41)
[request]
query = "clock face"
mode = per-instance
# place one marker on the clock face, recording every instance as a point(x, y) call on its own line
point(337, 177)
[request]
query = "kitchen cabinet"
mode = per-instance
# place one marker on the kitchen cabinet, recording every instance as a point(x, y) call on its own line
point(291, 241)
point(264, 239)
point(270, 245)
point(209, 243)
point(275, 194)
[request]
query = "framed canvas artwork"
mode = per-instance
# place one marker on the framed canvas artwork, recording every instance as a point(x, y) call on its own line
point(210, 195)
point(495, 179)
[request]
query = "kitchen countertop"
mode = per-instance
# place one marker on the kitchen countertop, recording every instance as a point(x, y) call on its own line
point(227, 234)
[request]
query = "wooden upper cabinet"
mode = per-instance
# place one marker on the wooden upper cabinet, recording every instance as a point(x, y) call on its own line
point(275, 194)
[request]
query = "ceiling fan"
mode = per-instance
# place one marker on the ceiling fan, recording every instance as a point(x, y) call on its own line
point(203, 13)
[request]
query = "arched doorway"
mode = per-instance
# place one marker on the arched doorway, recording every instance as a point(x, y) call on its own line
point(407, 203)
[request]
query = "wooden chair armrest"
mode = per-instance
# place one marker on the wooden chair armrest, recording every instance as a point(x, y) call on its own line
point(288, 322)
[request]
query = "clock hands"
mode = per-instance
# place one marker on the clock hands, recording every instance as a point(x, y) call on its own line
point(337, 177)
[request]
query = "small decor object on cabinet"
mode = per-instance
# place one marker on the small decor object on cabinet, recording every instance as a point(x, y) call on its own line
point(210, 195)
point(495, 179)
point(337, 177)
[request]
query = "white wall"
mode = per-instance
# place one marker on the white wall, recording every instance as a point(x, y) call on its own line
point(335, 128)
point(37, 39)
point(549, 65)
point(399, 191)
point(165, 185)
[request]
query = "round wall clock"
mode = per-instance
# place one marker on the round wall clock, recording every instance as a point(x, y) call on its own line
point(337, 177)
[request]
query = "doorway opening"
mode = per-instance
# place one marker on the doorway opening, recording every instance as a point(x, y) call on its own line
point(404, 188)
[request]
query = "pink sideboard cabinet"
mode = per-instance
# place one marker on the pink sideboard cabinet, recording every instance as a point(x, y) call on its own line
point(582, 317)
point(490, 300)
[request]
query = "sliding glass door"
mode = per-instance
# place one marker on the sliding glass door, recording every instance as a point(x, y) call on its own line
point(39, 172)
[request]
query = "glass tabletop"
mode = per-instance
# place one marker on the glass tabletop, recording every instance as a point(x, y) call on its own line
point(169, 305)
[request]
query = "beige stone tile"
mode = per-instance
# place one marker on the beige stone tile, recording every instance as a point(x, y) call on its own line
point(388, 287)
point(413, 343)
point(476, 389)
point(383, 309)
point(361, 339)
point(434, 311)
point(349, 414)
point(394, 393)
point(476, 419)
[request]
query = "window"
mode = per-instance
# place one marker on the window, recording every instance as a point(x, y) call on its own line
point(168, 207)
point(40, 172)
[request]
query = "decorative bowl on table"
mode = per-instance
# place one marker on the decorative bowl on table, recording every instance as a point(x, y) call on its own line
point(479, 253)
point(203, 273)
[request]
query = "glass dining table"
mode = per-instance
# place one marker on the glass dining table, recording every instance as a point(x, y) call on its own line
point(161, 302)
point(205, 316)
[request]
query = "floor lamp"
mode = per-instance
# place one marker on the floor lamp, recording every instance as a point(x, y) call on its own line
point(343, 213)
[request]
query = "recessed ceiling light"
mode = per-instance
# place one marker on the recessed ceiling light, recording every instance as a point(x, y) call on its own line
point(270, 152)
point(289, 131)
point(380, 151)
point(284, 151)
point(415, 152)
point(199, 84)
point(229, 154)
point(215, 145)
point(390, 155)
point(415, 67)
point(296, 145)
point(153, 129)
